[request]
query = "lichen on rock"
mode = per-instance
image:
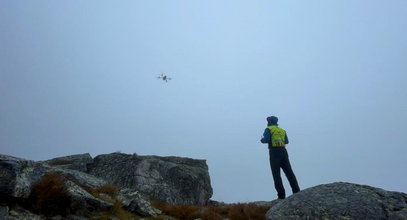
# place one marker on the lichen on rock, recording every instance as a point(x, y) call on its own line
point(341, 201)
point(174, 180)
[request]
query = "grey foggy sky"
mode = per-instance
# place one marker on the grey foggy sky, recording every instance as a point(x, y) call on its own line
point(80, 76)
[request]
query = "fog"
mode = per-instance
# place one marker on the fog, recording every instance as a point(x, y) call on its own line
point(81, 76)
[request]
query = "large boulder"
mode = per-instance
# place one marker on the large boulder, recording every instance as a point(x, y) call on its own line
point(74, 162)
point(341, 201)
point(17, 176)
point(173, 180)
point(53, 190)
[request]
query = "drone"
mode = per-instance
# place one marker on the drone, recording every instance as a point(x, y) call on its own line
point(164, 77)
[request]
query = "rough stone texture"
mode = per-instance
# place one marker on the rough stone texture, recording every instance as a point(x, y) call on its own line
point(173, 180)
point(341, 201)
point(81, 178)
point(169, 179)
point(3, 211)
point(135, 203)
point(19, 213)
point(83, 202)
point(74, 162)
point(18, 175)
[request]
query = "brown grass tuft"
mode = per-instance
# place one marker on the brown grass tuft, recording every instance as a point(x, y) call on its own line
point(49, 196)
point(117, 211)
point(247, 211)
point(110, 190)
point(178, 211)
point(214, 212)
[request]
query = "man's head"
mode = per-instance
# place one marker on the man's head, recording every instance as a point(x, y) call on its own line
point(272, 120)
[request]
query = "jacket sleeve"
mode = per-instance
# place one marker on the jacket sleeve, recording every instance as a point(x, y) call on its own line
point(266, 137)
point(286, 138)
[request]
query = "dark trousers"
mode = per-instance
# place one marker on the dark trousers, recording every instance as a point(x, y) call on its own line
point(279, 159)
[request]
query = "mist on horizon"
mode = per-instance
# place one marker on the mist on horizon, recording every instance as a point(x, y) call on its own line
point(81, 77)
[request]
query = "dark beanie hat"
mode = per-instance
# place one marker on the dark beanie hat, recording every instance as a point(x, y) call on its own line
point(272, 120)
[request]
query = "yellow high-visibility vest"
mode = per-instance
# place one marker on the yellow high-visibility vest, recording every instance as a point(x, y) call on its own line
point(277, 136)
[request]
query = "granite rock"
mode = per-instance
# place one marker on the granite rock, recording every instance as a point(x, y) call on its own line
point(135, 203)
point(174, 180)
point(77, 162)
point(17, 176)
point(341, 201)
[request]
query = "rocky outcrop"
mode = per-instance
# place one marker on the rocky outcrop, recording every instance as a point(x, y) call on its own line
point(28, 189)
point(77, 162)
point(18, 175)
point(173, 180)
point(75, 180)
point(341, 201)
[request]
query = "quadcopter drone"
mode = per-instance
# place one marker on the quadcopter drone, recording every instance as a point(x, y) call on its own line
point(164, 77)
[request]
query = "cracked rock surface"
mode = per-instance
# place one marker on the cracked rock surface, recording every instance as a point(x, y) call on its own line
point(174, 180)
point(28, 188)
point(341, 201)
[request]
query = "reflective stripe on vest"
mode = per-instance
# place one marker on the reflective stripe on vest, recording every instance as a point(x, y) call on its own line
point(277, 136)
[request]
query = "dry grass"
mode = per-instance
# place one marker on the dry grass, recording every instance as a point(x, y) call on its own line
point(214, 212)
point(116, 212)
point(107, 189)
point(247, 211)
point(49, 196)
point(191, 212)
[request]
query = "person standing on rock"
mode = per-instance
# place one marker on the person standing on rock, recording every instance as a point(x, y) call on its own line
point(276, 138)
